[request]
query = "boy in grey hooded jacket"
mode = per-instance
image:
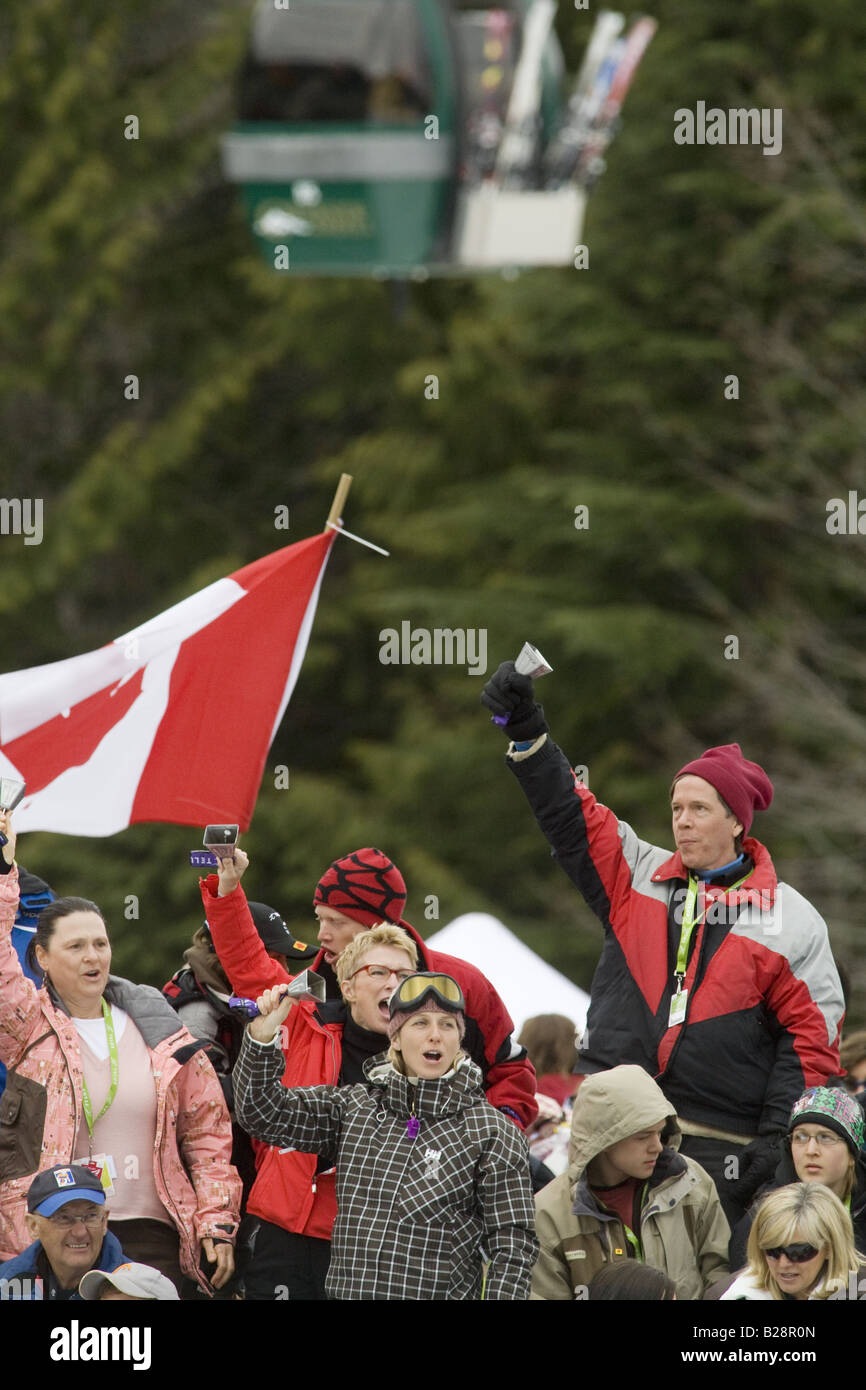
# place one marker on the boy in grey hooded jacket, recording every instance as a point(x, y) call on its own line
point(628, 1194)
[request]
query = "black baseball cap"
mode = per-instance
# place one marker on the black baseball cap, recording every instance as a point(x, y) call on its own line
point(276, 936)
point(63, 1183)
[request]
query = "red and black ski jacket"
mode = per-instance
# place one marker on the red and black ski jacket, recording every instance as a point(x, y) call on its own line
point(764, 1006)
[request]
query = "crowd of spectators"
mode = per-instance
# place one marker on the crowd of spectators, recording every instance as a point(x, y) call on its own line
point(389, 1138)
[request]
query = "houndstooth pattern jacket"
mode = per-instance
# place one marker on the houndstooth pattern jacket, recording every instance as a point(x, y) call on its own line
point(416, 1217)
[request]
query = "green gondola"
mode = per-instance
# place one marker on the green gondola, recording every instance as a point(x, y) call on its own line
point(371, 132)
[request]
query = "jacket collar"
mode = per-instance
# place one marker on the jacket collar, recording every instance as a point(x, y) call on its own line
point(148, 1008)
point(760, 887)
point(110, 1256)
point(744, 1287)
point(669, 1167)
point(427, 1100)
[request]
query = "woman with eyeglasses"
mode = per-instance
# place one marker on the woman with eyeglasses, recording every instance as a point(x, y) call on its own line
point(102, 1073)
point(801, 1246)
point(824, 1144)
point(431, 1179)
point(285, 1240)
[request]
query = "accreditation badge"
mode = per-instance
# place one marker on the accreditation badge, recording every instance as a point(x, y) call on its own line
point(678, 1008)
point(104, 1168)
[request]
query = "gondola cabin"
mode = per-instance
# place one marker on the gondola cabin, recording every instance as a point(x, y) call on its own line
point(402, 138)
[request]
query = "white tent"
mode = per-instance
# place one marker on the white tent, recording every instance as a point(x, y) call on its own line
point(527, 984)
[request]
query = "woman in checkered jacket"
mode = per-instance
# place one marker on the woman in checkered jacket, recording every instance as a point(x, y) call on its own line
point(432, 1181)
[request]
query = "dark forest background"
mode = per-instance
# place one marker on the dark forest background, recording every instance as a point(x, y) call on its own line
point(602, 388)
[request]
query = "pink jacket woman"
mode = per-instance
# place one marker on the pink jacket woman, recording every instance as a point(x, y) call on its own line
point(41, 1108)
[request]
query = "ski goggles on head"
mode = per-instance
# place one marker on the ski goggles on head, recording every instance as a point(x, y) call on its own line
point(797, 1254)
point(412, 993)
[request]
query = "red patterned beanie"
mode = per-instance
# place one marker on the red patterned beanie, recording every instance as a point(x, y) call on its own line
point(365, 886)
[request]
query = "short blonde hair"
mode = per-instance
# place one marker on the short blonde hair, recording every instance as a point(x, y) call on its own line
point(807, 1212)
point(383, 935)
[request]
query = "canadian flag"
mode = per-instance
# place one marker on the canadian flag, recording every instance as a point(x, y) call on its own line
point(172, 721)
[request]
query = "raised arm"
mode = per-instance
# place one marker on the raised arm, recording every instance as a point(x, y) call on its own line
point(240, 948)
point(601, 855)
point(19, 999)
point(307, 1118)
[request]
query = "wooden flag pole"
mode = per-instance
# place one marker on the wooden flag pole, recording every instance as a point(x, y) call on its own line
point(335, 520)
point(339, 500)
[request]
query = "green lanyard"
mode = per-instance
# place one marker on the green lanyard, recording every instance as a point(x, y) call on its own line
point(112, 1090)
point(634, 1243)
point(690, 922)
point(630, 1236)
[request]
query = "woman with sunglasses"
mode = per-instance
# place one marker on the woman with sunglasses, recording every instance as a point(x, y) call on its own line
point(801, 1246)
point(824, 1144)
point(431, 1179)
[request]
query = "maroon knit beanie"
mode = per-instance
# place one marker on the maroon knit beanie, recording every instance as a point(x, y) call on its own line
point(743, 785)
point(364, 886)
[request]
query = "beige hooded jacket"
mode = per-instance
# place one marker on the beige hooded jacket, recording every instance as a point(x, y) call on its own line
point(683, 1230)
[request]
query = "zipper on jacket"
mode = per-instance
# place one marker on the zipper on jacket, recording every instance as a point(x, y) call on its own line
point(336, 1074)
point(72, 1087)
point(693, 990)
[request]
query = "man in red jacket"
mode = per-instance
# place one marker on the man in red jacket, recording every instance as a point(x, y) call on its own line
point(714, 976)
point(292, 1205)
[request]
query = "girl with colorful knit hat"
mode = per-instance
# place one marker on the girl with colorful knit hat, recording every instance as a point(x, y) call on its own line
point(824, 1144)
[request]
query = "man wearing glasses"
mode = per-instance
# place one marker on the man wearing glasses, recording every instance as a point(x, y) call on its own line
point(292, 1207)
point(67, 1215)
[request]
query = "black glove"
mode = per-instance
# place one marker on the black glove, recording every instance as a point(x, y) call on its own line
point(758, 1163)
point(509, 693)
